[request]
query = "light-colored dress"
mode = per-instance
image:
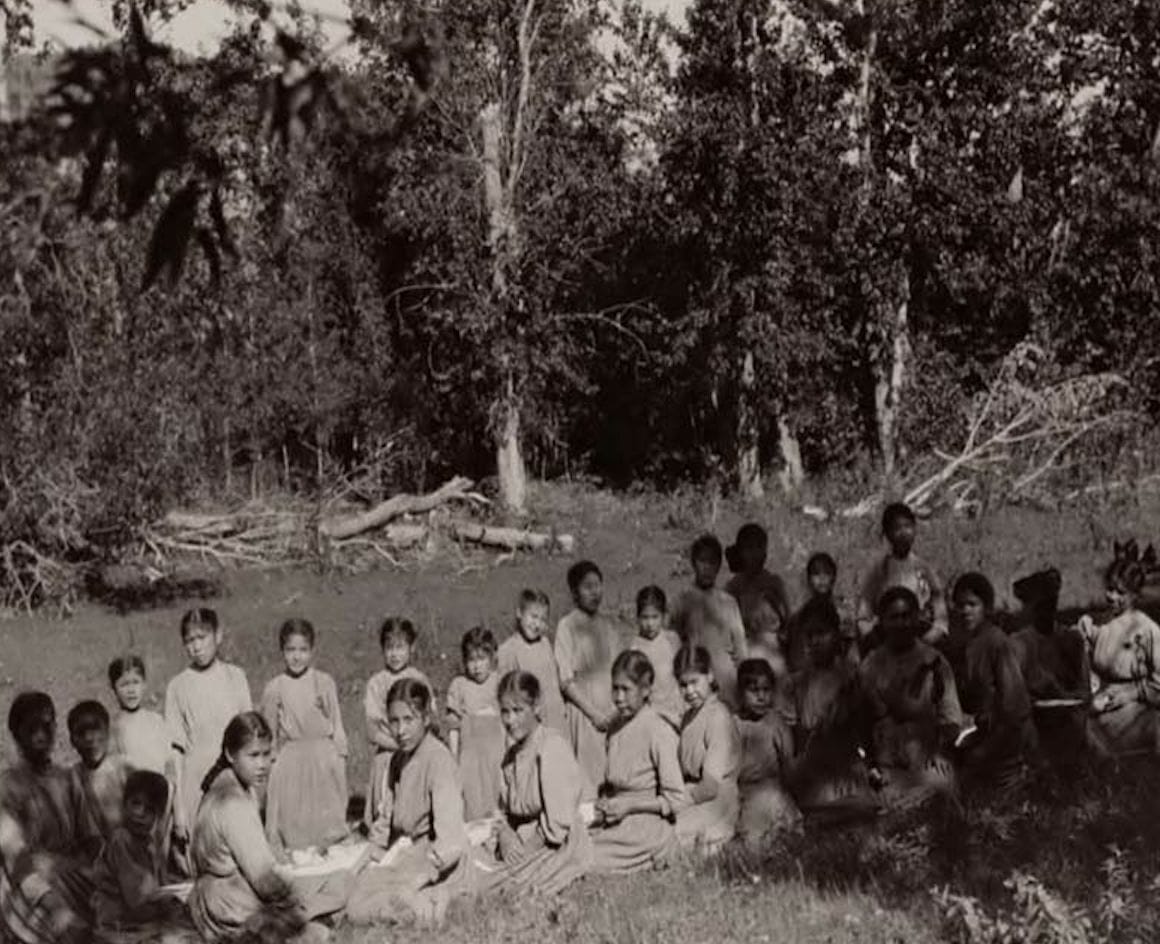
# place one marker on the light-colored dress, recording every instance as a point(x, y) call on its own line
point(642, 762)
point(199, 704)
point(766, 757)
point(666, 695)
point(1125, 710)
point(540, 799)
point(98, 792)
point(422, 802)
point(44, 899)
point(710, 749)
point(473, 710)
point(516, 653)
point(238, 886)
point(712, 619)
point(379, 734)
point(130, 907)
point(142, 739)
point(913, 573)
point(306, 796)
point(911, 695)
point(586, 647)
point(994, 693)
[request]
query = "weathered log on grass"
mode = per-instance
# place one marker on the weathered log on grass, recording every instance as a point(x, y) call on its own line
point(512, 539)
point(459, 488)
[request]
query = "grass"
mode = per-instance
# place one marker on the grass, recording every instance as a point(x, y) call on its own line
point(641, 539)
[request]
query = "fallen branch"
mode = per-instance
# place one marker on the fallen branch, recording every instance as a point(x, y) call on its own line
point(456, 489)
point(513, 539)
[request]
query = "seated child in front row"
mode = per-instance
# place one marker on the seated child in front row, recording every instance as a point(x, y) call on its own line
point(476, 736)
point(766, 755)
point(98, 777)
point(130, 870)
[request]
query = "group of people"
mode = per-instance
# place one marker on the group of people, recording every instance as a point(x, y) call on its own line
point(728, 715)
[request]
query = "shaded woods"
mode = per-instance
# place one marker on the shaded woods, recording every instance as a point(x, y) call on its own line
point(786, 242)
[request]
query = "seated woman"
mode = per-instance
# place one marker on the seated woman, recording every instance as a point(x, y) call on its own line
point(239, 889)
point(766, 756)
point(643, 789)
point(992, 689)
point(827, 770)
point(912, 708)
point(710, 755)
point(1124, 715)
point(419, 823)
point(542, 843)
point(45, 885)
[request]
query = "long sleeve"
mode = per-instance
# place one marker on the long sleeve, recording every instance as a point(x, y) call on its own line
point(723, 754)
point(446, 798)
point(242, 828)
point(375, 705)
point(245, 697)
point(271, 703)
point(505, 661)
point(135, 880)
point(1148, 660)
point(559, 776)
point(563, 650)
point(334, 712)
point(947, 704)
point(1011, 701)
point(670, 782)
point(731, 617)
point(456, 707)
point(175, 717)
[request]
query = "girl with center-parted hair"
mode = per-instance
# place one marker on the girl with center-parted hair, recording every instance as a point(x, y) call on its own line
point(542, 843)
point(239, 888)
point(419, 824)
point(643, 789)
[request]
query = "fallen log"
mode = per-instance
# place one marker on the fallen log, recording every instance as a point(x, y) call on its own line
point(347, 527)
point(513, 539)
point(393, 535)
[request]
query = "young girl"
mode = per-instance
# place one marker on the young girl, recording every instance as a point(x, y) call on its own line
point(709, 617)
point(307, 796)
point(643, 790)
point(476, 735)
point(913, 708)
point(199, 703)
point(660, 644)
point(98, 777)
point(821, 578)
point(239, 890)
point(766, 756)
point(528, 649)
point(397, 640)
point(139, 735)
point(710, 755)
point(992, 687)
point(586, 645)
point(542, 842)
point(44, 889)
point(1125, 656)
point(901, 567)
point(130, 871)
point(761, 595)
point(420, 821)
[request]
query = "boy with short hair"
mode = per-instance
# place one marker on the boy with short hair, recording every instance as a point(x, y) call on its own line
point(98, 777)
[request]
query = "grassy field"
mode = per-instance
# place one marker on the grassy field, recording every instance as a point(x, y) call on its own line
point(637, 540)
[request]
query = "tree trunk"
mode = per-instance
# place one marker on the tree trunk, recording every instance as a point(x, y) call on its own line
point(889, 383)
point(748, 453)
point(509, 458)
point(793, 474)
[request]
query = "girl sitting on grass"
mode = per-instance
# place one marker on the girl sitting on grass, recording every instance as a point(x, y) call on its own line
point(766, 756)
point(643, 790)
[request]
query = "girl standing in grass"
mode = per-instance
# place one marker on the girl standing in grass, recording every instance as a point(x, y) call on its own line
point(1125, 655)
point(239, 890)
point(476, 736)
point(420, 823)
point(709, 617)
point(138, 734)
point(766, 756)
point(397, 641)
point(901, 567)
point(660, 644)
point(306, 798)
point(643, 790)
point(710, 755)
point(542, 842)
point(199, 703)
point(586, 645)
point(528, 649)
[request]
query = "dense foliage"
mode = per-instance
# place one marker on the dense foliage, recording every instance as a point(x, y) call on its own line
point(794, 235)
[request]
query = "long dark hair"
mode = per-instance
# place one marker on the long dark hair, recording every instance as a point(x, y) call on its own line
point(242, 731)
